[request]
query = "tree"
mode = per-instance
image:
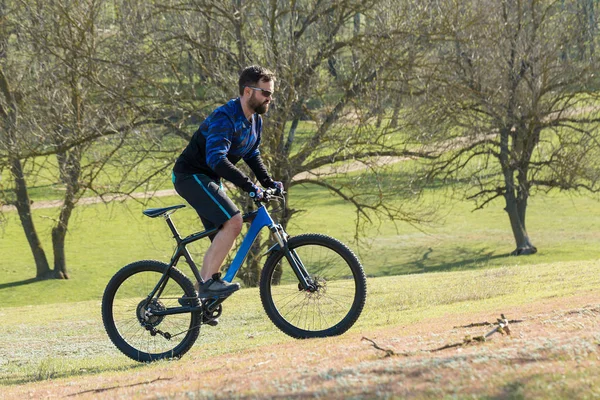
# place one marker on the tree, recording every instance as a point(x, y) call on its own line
point(328, 70)
point(12, 143)
point(76, 78)
point(506, 107)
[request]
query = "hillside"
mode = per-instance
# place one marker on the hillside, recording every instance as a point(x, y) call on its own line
point(552, 351)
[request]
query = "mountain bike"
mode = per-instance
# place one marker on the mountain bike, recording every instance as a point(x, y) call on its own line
point(311, 286)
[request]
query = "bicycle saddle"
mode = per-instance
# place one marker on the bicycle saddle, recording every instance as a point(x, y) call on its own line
point(157, 212)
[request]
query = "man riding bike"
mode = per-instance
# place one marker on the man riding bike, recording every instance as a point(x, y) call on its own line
point(231, 133)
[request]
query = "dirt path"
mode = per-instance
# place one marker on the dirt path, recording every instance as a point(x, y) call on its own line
point(554, 349)
point(95, 200)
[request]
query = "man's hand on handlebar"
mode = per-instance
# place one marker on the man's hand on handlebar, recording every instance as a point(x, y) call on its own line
point(257, 194)
point(265, 195)
point(278, 186)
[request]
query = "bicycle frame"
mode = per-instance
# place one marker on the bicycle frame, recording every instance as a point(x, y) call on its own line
point(258, 219)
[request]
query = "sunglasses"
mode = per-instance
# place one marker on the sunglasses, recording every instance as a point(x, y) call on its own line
point(266, 93)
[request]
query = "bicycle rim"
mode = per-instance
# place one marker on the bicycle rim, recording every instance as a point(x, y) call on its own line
point(147, 338)
point(336, 303)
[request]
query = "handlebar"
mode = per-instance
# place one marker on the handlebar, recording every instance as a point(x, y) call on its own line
point(269, 194)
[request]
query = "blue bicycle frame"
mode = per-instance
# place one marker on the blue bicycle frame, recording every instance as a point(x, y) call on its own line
point(261, 218)
point(258, 220)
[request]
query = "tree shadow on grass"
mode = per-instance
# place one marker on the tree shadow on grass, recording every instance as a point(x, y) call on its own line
point(18, 283)
point(463, 259)
point(429, 260)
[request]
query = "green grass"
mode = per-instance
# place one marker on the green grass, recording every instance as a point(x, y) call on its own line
point(61, 324)
point(67, 340)
point(103, 238)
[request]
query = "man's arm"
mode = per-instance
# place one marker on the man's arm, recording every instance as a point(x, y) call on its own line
point(218, 143)
point(258, 167)
point(254, 160)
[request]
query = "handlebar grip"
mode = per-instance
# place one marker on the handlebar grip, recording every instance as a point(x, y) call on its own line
point(275, 192)
point(268, 194)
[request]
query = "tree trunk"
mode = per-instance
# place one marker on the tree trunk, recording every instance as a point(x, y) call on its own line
point(250, 271)
point(396, 112)
point(69, 166)
point(24, 209)
point(58, 244)
point(516, 209)
point(23, 203)
point(70, 169)
point(516, 205)
point(331, 61)
point(356, 32)
point(239, 37)
point(286, 215)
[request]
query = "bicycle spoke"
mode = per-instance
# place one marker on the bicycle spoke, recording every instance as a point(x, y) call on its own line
point(130, 303)
point(331, 301)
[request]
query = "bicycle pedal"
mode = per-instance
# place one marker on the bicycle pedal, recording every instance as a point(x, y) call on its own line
point(212, 322)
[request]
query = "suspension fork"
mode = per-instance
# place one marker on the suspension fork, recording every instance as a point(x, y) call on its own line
point(301, 273)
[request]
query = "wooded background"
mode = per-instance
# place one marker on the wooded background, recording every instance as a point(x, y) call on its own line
point(501, 96)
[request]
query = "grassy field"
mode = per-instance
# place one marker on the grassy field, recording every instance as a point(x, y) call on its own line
point(67, 340)
point(468, 251)
point(103, 238)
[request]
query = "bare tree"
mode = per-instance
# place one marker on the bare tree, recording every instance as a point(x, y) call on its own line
point(77, 78)
point(506, 111)
point(14, 84)
point(328, 69)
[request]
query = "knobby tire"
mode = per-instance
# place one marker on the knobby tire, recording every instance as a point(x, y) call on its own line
point(132, 284)
point(331, 310)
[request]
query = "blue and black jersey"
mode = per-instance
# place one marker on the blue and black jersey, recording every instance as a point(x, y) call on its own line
point(224, 138)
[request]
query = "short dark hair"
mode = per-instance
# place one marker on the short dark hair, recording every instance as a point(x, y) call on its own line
point(253, 74)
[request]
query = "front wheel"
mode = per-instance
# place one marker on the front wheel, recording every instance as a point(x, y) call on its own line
point(337, 296)
point(128, 316)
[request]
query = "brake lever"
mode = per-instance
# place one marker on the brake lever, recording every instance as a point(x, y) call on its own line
point(268, 195)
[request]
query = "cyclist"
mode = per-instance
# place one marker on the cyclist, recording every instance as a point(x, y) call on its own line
point(231, 133)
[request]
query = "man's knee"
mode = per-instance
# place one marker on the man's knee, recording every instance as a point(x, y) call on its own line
point(234, 225)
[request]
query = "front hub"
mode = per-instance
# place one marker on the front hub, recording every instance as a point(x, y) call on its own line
point(318, 286)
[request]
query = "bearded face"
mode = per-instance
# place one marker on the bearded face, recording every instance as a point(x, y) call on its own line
point(261, 96)
point(259, 103)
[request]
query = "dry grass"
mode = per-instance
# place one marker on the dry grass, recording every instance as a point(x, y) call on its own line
point(553, 353)
point(61, 351)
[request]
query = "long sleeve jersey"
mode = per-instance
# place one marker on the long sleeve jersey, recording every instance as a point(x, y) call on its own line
point(225, 137)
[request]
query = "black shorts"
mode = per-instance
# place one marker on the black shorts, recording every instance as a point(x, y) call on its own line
point(207, 197)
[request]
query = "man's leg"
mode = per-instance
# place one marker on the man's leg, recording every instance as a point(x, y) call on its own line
point(220, 246)
point(215, 209)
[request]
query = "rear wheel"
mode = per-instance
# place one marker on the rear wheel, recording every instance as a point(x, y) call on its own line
point(128, 317)
point(338, 295)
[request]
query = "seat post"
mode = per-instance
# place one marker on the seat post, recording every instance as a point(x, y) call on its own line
point(172, 227)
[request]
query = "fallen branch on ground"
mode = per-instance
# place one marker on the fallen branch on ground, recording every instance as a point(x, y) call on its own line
point(388, 352)
point(466, 341)
point(117, 387)
point(501, 327)
point(476, 324)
